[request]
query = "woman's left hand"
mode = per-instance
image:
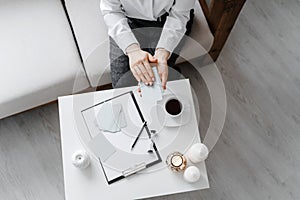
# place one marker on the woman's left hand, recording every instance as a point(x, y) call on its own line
point(162, 57)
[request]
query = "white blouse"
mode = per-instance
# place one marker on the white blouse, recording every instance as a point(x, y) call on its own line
point(115, 12)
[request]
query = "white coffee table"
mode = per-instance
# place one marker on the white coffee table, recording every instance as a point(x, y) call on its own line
point(91, 184)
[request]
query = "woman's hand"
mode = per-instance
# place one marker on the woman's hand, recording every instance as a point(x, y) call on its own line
point(162, 57)
point(139, 62)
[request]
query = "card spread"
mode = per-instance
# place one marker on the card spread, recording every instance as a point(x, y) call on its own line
point(154, 93)
point(111, 118)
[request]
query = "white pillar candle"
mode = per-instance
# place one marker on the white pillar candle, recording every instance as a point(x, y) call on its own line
point(191, 174)
point(197, 153)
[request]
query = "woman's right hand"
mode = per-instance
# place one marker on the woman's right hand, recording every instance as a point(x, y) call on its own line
point(139, 62)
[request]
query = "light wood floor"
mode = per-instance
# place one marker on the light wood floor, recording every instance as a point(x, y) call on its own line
point(258, 154)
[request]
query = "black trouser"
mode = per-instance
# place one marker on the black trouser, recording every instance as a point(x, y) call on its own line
point(147, 33)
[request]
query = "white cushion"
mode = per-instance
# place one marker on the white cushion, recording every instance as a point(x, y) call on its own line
point(39, 60)
point(91, 34)
point(200, 39)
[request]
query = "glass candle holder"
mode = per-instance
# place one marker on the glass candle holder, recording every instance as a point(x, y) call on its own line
point(176, 162)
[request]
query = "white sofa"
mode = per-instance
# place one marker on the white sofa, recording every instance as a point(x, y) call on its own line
point(39, 60)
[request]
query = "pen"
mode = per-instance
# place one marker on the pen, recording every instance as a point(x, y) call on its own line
point(138, 136)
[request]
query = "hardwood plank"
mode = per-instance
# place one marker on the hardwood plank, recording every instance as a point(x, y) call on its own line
point(30, 152)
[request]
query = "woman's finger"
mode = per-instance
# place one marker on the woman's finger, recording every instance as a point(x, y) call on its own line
point(140, 73)
point(149, 70)
point(145, 71)
point(163, 74)
point(164, 79)
point(151, 58)
point(160, 71)
point(136, 76)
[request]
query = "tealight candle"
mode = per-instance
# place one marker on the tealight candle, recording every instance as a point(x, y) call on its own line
point(176, 162)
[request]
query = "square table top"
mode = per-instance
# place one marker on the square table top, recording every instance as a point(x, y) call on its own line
point(91, 184)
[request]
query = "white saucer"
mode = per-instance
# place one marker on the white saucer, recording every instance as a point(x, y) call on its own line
point(170, 121)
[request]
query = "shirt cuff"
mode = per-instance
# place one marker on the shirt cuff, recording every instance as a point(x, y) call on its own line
point(125, 39)
point(168, 42)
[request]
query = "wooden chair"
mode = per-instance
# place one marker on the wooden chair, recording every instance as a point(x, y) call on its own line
point(221, 15)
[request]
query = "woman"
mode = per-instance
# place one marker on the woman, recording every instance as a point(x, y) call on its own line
point(132, 48)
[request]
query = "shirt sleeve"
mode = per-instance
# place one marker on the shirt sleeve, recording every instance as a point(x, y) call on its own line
point(117, 23)
point(175, 25)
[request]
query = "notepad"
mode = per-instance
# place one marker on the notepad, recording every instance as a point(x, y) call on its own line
point(101, 147)
point(110, 148)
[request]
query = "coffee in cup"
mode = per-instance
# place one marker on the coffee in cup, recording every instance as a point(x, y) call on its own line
point(173, 107)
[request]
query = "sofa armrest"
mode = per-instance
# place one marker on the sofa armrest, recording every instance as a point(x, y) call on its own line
point(221, 16)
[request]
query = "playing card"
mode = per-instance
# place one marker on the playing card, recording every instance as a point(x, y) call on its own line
point(152, 93)
point(111, 118)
